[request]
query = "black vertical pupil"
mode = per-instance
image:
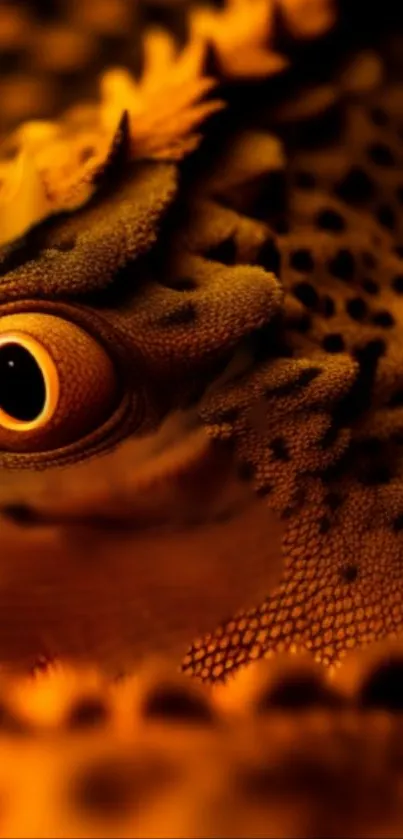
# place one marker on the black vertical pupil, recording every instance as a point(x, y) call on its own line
point(22, 386)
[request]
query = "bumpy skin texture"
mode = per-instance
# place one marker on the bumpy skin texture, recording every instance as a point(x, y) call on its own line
point(86, 252)
point(320, 433)
point(314, 421)
point(294, 266)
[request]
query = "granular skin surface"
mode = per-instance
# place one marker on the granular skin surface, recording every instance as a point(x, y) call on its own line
point(250, 301)
point(286, 237)
point(320, 431)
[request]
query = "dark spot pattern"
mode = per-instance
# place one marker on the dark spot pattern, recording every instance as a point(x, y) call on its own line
point(87, 712)
point(181, 316)
point(171, 703)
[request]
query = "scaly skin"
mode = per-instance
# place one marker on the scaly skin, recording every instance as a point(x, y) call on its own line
point(314, 420)
point(282, 262)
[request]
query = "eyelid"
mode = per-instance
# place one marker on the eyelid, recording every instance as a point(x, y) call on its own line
point(51, 380)
point(80, 383)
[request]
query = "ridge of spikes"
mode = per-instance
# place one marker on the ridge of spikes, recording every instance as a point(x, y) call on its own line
point(59, 165)
point(242, 31)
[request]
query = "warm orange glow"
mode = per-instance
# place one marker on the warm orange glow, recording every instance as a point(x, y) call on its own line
point(240, 33)
point(58, 162)
point(51, 380)
point(165, 106)
point(79, 377)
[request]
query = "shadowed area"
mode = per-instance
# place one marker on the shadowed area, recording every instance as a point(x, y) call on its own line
point(212, 470)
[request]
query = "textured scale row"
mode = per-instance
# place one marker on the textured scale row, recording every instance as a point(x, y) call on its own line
point(277, 250)
point(276, 274)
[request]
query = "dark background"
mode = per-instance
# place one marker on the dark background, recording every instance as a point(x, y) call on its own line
point(38, 78)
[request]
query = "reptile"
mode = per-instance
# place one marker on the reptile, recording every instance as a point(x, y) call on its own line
point(255, 291)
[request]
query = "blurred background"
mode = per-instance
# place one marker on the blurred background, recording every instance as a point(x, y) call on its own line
point(52, 51)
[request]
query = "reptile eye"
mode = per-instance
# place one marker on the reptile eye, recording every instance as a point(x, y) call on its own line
point(57, 383)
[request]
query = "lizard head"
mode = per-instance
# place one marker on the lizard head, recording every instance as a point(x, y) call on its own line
point(117, 310)
point(99, 340)
point(106, 337)
point(102, 334)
